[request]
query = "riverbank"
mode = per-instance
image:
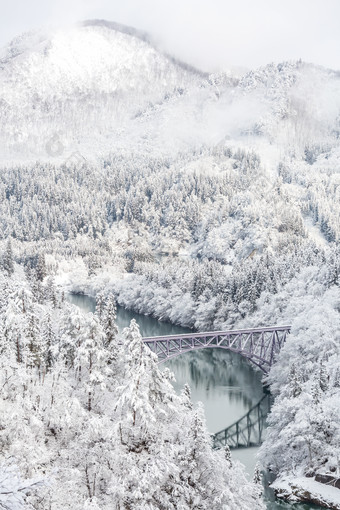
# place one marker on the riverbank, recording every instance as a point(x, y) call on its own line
point(307, 490)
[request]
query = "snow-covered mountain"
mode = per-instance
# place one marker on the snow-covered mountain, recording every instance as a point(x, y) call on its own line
point(99, 86)
point(82, 81)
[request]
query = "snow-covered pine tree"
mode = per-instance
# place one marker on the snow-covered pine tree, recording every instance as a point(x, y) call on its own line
point(48, 341)
point(34, 348)
point(91, 359)
point(295, 382)
point(100, 304)
point(323, 377)
point(108, 321)
point(227, 455)
point(41, 270)
point(257, 478)
point(7, 259)
point(50, 291)
point(145, 413)
point(186, 397)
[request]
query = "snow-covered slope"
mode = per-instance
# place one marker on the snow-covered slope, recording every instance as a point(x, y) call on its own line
point(82, 80)
point(99, 86)
point(304, 100)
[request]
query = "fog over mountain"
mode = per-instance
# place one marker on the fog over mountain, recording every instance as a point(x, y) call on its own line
point(101, 85)
point(214, 35)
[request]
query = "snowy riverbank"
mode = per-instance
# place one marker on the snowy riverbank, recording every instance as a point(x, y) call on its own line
point(307, 490)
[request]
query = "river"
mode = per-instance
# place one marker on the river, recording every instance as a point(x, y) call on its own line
point(223, 381)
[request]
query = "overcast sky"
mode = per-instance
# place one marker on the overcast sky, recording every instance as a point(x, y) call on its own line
point(211, 34)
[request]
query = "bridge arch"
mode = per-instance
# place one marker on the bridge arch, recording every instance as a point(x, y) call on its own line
point(259, 345)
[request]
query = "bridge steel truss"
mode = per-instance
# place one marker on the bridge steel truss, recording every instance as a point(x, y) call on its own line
point(260, 345)
point(248, 430)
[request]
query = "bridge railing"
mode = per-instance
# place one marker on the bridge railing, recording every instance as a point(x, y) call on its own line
point(204, 334)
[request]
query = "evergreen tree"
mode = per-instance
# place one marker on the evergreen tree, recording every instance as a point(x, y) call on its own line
point(48, 341)
point(144, 411)
point(50, 291)
point(323, 377)
point(186, 397)
point(295, 383)
point(41, 271)
point(227, 455)
point(146, 385)
point(257, 478)
point(316, 393)
point(336, 380)
point(7, 259)
point(35, 350)
point(108, 321)
point(91, 359)
point(100, 305)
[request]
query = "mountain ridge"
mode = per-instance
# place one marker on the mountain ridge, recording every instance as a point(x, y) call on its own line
point(145, 37)
point(109, 85)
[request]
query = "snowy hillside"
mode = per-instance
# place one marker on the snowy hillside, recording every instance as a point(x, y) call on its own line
point(99, 86)
point(85, 79)
point(304, 101)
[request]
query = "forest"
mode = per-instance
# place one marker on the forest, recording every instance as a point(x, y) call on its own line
point(192, 240)
point(88, 420)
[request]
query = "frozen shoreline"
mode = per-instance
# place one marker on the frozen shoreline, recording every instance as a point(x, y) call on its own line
point(303, 489)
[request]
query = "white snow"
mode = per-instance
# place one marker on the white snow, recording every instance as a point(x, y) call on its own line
point(325, 494)
point(314, 232)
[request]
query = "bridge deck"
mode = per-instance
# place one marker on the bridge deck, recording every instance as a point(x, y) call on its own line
point(217, 333)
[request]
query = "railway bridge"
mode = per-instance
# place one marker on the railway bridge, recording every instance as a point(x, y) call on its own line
point(259, 345)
